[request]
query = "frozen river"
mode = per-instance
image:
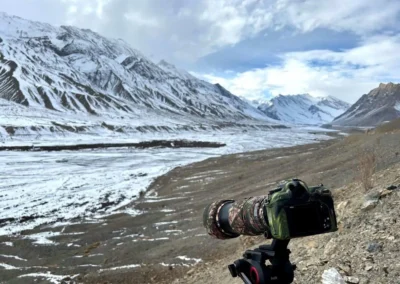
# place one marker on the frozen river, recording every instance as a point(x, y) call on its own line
point(57, 187)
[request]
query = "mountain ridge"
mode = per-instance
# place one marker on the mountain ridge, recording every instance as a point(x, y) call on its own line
point(378, 106)
point(67, 70)
point(304, 109)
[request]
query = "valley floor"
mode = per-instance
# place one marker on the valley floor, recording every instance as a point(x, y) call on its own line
point(166, 243)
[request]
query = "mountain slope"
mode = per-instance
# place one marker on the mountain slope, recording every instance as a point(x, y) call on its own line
point(379, 105)
point(66, 71)
point(303, 109)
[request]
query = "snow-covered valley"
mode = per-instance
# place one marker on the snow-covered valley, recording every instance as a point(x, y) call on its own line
point(69, 186)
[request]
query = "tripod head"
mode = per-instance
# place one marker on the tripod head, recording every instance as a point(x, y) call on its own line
point(252, 269)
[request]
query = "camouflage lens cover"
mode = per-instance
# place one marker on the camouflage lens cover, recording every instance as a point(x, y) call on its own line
point(210, 220)
point(247, 216)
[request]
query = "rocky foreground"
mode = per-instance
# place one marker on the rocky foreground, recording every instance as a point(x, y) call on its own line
point(366, 249)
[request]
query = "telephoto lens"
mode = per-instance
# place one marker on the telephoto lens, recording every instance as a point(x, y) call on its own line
point(290, 211)
point(226, 219)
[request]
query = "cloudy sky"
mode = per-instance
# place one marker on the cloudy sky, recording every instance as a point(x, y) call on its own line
point(255, 48)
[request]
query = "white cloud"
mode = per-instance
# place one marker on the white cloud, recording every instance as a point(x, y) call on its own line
point(137, 19)
point(78, 11)
point(72, 9)
point(345, 74)
point(359, 16)
point(231, 21)
point(183, 31)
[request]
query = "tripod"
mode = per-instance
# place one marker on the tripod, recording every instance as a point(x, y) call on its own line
point(252, 269)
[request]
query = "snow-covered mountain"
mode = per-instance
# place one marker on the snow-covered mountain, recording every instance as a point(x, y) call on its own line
point(304, 109)
point(379, 105)
point(256, 103)
point(79, 77)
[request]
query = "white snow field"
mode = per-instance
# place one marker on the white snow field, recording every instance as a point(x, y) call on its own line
point(56, 187)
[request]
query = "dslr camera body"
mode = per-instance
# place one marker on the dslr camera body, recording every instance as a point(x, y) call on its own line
point(296, 210)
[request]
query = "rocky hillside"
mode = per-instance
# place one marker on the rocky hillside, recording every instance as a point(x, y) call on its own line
point(364, 250)
point(66, 71)
point(378, 106)
point(304, 109)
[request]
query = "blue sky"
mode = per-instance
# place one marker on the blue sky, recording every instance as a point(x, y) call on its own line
point(255, 48)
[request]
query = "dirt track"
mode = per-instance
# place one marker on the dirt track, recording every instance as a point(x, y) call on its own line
point(171, 225)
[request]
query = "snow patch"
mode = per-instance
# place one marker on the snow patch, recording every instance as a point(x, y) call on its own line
point(44, 237)
point(8, 267)
point(56, 279)
point(173, 231)
point(13, 256)
point(121, 267)
point(167, 210)
point(165, 223)
point(185, 258)
point(162, 199)
point(151, 240)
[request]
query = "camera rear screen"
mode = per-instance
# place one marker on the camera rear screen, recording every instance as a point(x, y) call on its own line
point(304, 220)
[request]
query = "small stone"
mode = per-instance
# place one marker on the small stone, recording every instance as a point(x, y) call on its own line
point(374, 247)
point(330, 247)
point(386, 270)
point(391, 187)
point(332, 276)
point(345, 268)
point(351, 279)
point(385, 193)
point(369, 204)
point(190, 272)
point(369, 267)
point(370, 258)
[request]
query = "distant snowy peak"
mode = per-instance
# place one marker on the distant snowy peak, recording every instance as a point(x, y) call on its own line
point(304, 109)
point(379, 105)
point(256, 103)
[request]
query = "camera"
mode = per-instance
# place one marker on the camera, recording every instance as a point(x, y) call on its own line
point(292, 210)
